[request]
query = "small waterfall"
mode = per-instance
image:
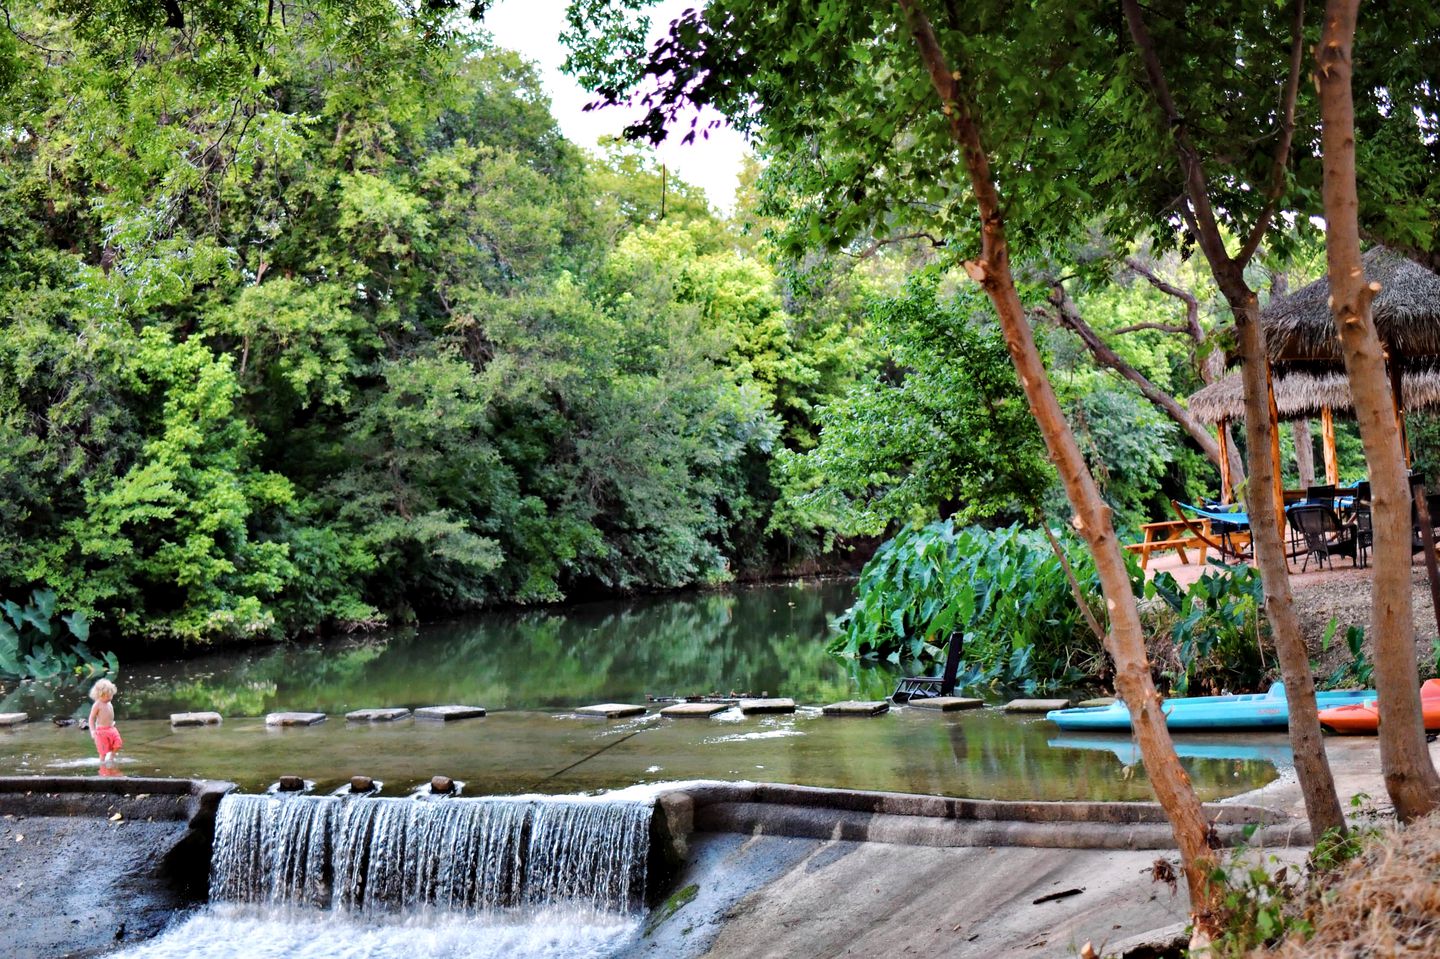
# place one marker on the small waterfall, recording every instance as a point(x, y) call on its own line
point(370, 856)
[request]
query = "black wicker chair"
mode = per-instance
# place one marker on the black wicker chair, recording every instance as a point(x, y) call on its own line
point(1324, 535)
point(1364, 533)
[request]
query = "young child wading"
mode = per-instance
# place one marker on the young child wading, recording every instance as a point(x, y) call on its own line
point(102, 722)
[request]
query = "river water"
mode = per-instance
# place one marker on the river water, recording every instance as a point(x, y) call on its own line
point(529, 669)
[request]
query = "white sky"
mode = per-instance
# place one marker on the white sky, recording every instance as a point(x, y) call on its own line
point(533, 27)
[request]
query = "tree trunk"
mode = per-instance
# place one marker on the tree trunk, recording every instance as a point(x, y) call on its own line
point(1070, 317)
point(1125, 641)
point(1410, 776)
point(1304, 451)
point(1312, 766)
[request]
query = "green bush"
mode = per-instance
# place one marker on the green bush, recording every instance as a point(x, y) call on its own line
point(1002, 593)
point(1218, 632)
point(33, 647)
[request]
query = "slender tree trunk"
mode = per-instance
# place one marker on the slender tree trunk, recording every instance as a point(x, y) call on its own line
point(1069, 315)
point(1304, 450)
point(1312, 766)
point(1125, 641)
point(1307, 742)
point(1410, 776)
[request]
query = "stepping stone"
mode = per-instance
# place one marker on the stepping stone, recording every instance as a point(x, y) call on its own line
point(13, 719)
point(700, 710)
point(195, 719)
point(1092, 703)
point(946, 704)
point(447, 713)
point(752, 706)
point(294, 719)
point(854, 707)
point(611, 710)
point(379, 715)
point(1035, 705)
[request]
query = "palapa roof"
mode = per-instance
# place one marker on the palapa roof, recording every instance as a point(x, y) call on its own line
point(1302, 394)
point(1299, 329)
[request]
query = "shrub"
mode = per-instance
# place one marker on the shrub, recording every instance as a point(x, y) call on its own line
point(32, 646)
point(1002, 593)
point(1219, 631)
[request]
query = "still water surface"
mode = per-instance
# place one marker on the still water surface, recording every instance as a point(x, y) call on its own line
point(530, 668)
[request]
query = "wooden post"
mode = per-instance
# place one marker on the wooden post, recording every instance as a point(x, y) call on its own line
point(1275, 451)
point(1226, 495)
point(1427, 544)
point(1398, 397)
point(1327, 440)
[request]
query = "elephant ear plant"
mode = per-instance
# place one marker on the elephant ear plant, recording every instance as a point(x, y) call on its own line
point(37, 644)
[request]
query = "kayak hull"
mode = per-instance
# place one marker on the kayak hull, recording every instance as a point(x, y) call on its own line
point(1364, 718)
point(1268, 710)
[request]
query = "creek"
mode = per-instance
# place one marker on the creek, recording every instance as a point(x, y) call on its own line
point(531, 668)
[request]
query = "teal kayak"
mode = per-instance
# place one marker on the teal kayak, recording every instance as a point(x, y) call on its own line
point(1267, 710)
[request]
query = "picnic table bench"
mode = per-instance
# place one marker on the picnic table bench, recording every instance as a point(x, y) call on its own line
point(1176, 534)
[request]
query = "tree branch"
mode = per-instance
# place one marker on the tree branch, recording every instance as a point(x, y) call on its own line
point(880, 244)
point(1191, 301)
point(1068, 315)
point(1281, 158)
point(1201, 215)
point(1157, 327)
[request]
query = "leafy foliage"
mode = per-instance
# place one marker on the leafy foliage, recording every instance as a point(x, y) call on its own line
point(32, 646)
point(316, 321)
point(1219, 631)
point(1001, 593)
point(945, 432)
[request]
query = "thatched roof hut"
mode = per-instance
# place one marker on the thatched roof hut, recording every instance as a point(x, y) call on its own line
point(1300, 331)
point(1302, 394)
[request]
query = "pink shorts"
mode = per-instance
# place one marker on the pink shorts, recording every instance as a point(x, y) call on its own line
point(107, 739)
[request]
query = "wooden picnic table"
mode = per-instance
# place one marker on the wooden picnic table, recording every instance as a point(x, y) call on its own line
point(1176, 534)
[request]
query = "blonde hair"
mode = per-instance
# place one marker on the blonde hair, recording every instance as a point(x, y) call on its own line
point(103, 688)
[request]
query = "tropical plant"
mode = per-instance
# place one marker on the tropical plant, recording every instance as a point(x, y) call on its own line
point(1219, 633)
point(1359, 670)
point(32, 646)
point(1002, 594)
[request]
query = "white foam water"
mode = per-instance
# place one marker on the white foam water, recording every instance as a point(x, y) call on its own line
point(231, 931)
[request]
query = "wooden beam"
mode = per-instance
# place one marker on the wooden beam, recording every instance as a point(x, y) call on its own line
point(1275, 451)
point(1223, 435)
point(1327, 440)
point(1398, 398)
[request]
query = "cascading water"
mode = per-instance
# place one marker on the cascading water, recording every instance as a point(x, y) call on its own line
point(483, 877)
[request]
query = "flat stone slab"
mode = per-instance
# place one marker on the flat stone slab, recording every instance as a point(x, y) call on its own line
point(294, 719)
point(752, 706)
point(380, 715)
point(13, 719)
point(449, 713)
point(854, 707)
point(195, 719)
point(1100, 701)
point(612, 710)
point(697, 710)
point(1035, 705)
point(947, 704)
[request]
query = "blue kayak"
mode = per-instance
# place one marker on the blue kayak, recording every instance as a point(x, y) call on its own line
point(1267, 710)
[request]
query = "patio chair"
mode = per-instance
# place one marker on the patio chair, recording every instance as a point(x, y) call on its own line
point(1324, 535)
point(1324, 494)
point(1364, 532)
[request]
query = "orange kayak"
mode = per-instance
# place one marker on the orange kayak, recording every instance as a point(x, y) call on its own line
point(1365, 717)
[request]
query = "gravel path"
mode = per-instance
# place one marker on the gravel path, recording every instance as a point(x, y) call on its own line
point(1344, 594)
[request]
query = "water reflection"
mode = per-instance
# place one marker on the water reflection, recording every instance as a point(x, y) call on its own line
point(529, 668)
